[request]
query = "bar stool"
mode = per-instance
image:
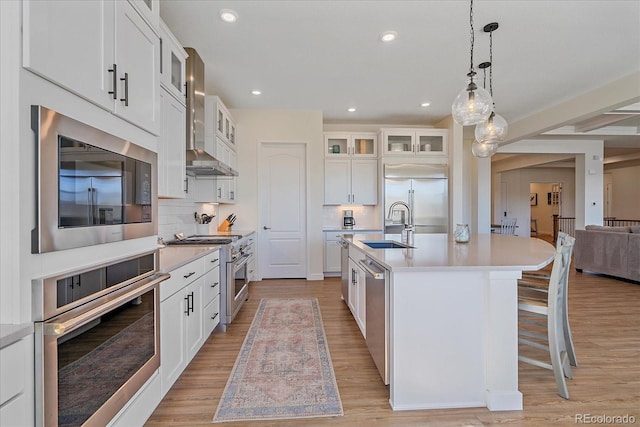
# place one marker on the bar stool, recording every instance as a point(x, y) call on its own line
point(548, 312)
point(508, 226)
point(535, 284)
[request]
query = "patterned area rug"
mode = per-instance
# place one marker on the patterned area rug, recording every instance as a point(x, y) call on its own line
point(284, 369)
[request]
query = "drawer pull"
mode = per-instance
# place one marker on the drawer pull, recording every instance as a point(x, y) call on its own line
point(214, 316)
point(215, 260)
point(215, 284)
point(186, 276)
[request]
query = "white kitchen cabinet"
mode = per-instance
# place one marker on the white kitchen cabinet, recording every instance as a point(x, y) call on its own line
point(414, 142)
point(185, 299)
point(149, 9)
point(351, 144)
point(332, 253)
point(219, 122)
point(350, 181)
point(211, 298)
point(357, 289)
point(102, 50)
point(17, 391)
point(172, 64)
point(171, 143)
point(252, 271)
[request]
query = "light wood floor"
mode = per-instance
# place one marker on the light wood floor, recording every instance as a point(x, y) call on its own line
point(604, 316)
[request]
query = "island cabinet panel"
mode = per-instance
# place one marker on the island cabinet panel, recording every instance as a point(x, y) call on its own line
point(102, 50)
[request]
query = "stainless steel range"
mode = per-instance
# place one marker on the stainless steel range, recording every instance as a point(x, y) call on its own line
point(234, 254)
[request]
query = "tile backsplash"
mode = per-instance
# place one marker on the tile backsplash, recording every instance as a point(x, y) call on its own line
point(176, 216)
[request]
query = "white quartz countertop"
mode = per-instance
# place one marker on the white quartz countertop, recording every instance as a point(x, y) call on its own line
point(172, 257)
point(440, 252)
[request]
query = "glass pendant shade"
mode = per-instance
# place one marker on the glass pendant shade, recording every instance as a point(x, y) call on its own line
point(483, 150)
point(494, 129)
point(472, 106)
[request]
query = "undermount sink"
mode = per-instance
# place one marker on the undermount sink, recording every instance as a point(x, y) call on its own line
point(386, 244)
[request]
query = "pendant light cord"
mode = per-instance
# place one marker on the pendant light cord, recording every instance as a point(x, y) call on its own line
point(472, 37)
point(491, 67)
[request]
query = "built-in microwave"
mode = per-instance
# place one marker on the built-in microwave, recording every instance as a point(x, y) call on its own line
point(93, 187)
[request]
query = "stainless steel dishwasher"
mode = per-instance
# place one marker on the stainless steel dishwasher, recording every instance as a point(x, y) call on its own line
point(377, 314)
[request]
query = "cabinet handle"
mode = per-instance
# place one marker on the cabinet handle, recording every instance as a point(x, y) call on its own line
point(219, 192)
point(266, 228)
point(126, 89)
point(114, 92)
point(186, 88)
point(215, 260)
point(186, 185)
point(187, 299)
point(214, 316)
point(215, 284)
point(192, 304)
point(186, 276)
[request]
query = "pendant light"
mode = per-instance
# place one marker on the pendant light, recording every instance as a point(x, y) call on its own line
point(484, 149)
point(473, 104)
point(494, 128)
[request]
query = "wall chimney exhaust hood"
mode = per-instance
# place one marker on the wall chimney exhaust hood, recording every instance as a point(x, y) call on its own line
point(200, 161)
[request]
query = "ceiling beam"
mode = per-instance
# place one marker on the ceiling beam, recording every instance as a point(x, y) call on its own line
point(601, 121)
point(619, 93)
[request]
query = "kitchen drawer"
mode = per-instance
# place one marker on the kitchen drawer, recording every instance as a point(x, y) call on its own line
point(211, 260)
point(211, 284)
point(211, 316)
point(13, 369)
point(181, 277)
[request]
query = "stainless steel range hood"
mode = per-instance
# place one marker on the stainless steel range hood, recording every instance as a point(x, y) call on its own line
point(199, 160)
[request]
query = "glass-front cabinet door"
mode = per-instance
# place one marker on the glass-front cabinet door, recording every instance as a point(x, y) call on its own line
point(418, 142)
point(346, 144)
point(172, 63)
point(399, 142)
point(431, 142)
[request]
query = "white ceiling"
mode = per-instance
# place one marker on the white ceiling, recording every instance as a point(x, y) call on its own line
point(325, 55)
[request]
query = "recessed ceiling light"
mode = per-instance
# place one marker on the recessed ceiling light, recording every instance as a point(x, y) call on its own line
point(256, 92)
point(425, 104)
point(351, 109)
point(228, 15)
point(388, 36)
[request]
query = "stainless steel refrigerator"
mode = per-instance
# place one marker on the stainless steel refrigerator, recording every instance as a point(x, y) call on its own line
point(424, 189)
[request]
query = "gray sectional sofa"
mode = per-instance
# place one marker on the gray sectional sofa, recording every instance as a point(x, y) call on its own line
point(614, 251)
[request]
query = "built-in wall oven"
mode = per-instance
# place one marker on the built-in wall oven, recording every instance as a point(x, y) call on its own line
point(93, 187)
point(97, 339)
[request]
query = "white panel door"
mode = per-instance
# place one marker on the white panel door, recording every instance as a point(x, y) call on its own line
point(283, 213)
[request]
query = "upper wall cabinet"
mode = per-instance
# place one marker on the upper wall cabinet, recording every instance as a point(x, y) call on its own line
point(219, 122)
point(414, 142)
point(149, 9)
point(171, 152)
point(350, 144)
point(101, 50)
point(172, 64)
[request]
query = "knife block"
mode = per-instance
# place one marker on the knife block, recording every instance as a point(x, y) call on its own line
point(224, 226)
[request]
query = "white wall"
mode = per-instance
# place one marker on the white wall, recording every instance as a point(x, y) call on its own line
point(257, 126)
point(626, 193)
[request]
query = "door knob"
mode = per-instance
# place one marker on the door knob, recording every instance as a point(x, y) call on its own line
point(266, 228)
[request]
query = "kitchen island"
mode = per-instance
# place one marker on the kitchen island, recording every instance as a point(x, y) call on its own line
point(452, 318)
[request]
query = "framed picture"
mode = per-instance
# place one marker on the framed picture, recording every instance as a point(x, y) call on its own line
point(533, 198)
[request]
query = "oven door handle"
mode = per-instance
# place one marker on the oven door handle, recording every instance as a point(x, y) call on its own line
point(59, 328)
point(240, 262)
